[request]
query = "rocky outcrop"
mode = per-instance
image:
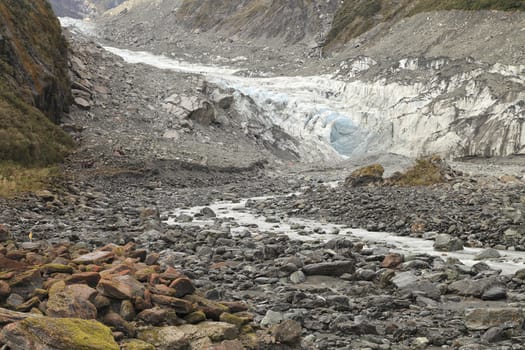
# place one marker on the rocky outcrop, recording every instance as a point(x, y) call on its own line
point(82, 8)
point(34, 84)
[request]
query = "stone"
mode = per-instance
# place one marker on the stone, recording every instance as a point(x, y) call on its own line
point(55, 268)
point(89, 278)
point(118, 323)
point(484, 318)
point(228, 345)
point(182, 286)
point(26, 282)
point(489, 253)
point(121, 287)
point(288, 332)
point(127, 310)
point(5, 233)
point(208, 212)
point(216, 331)
point(180, 305)
point(157, 316)
point(5, 290)
point(297, 277)
point(391, 261)
point(336, 268)
point(272, 318)
point(474, 288)
point(165, 338)
point(497, 292)
point(447, 243)
point(365, 176)
point(96, 257)
point(494, 334)
point(47, 333)
point(10, 316)
point(74, 301)
point(82, 103)
point(136, 344)
point(404, 279)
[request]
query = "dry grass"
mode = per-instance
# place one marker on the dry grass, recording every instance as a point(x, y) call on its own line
point(16, 180)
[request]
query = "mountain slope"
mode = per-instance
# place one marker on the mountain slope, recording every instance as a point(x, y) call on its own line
point(355, 17)
point(34, 84)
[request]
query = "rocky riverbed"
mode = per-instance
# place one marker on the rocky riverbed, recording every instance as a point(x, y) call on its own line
point(275, 254)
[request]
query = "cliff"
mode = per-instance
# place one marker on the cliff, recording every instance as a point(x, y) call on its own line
point(34, 83)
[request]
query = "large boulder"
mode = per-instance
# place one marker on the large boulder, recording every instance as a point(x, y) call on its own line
point(368, 175)
point(45, 333)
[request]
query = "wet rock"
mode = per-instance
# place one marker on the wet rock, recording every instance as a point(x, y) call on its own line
point(482, 319)
point(447, 243)
point(487, 254)
point(336, 268)
point(45, 333)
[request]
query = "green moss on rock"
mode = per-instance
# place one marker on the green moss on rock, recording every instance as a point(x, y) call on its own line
point(61, 334)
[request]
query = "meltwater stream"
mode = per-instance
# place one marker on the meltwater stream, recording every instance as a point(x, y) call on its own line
point(243, 218)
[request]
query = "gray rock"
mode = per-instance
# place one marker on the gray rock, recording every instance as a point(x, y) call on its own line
point(485, 318)
point(489, 253)
point(404, 279)
point(297, 277)
point(336, 268)
point(498, 292)
point(447, 243)
point(271, 318)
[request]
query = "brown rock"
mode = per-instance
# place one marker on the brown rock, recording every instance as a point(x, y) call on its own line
point(235, 306)
point(9, 316)
point(287, 332)
point(228, 345)
point(158, 316)
point(16, 254)
point(89, 278)
point(5, 290)
point(182, 286)
point(152, 258)
point(171, 274)
point(96, 257)
point(101, 301)
point(216, 331)
point(392, 261)
point(117, 322)
point(181, 306)
point(213, 310)
point(121, 287)
point(73, 301)
point(162, 289)
point(7, 265)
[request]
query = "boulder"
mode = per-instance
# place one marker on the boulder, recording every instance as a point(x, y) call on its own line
point(336, 268)
point(485, 318)
point(73, 301)
point(46, 333)
point(121, 287)
point(165, 338)
point(447, 243)
point(368, 175)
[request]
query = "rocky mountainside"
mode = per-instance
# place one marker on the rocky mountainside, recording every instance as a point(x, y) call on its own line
point(82, 8)
point(404, 78)
point(34, 83)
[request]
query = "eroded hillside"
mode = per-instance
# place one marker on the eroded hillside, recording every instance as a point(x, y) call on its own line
point(34, 84)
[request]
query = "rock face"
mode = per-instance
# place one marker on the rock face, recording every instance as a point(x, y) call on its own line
point(82, 8)
point(33, 82)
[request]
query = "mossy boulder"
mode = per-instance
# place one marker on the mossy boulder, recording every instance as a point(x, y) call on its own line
point(425, 172)
point(365, 176)
point(136, 344)
point(45, 333)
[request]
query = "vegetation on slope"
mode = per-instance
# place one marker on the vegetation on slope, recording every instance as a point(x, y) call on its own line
point(34, 85)
point(354, 17)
